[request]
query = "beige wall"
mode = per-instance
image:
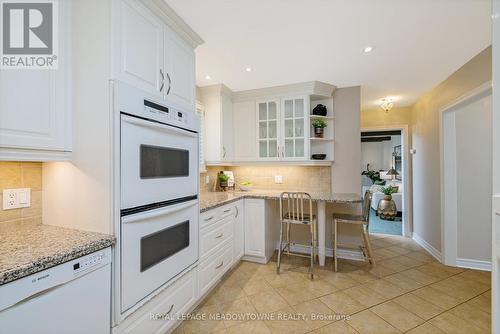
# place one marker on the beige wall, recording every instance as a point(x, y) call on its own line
point(377, 117)
point(426, 141)
point(22, 175)
point(262, 177)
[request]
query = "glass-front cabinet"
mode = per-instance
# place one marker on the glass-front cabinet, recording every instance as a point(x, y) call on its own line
point(283, 129)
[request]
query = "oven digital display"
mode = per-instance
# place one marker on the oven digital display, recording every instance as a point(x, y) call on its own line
point(163, 244)
point(163, 162)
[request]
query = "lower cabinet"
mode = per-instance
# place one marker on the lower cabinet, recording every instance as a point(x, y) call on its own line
point(259, 231)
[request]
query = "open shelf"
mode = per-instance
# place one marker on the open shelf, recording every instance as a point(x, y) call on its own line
point(320, 139)
point(320, 117)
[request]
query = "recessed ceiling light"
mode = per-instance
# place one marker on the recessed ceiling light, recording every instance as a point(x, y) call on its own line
point(248, 69)
point(368, 49)
point(208, 77)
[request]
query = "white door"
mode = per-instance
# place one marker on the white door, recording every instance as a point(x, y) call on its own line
point(294, 128)
point(255, 227)
point(140, 47)
point(179, 71)
point(496, 168)
point(268, 130)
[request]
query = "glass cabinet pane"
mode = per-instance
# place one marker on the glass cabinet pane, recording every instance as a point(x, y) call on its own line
point(299, 127)
point(273, 148)
point(262, 130)
point(289, 148)
point(262, 111)
point(273, 129)
point(272, 114)
point(263, 149)
point(288, 128)
point(288, 108)
point(299, 147)
point(299, 107)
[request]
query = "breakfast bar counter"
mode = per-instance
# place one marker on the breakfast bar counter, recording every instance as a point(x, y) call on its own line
point(211, 200)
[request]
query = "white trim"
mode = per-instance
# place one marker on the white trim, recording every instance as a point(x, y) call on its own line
point(270, 163)
point(427, 246)
point(315, 88)
point(407, 187)
point(474, 264)
point(19, 154)
point(449, 220)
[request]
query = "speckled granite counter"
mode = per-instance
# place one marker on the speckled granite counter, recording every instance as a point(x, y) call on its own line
point(27, 248)
point(210, 200)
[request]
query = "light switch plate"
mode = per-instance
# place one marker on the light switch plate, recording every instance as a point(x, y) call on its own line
point(278, 179)
point(207, 179)
point(16, 198)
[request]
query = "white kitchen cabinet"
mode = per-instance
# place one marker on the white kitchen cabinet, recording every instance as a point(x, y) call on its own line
point(35, 106)
point(260, 218)
point(282, 129)
point(179, 74)
point(140, 45)
point(244, 134)
point(239, 230)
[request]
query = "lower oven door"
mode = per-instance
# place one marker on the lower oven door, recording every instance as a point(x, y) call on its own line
point(156, 245)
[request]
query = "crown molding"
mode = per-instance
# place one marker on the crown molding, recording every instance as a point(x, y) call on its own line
point(313, 88)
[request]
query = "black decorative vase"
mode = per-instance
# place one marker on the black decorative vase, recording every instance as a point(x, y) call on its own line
point(320, 110)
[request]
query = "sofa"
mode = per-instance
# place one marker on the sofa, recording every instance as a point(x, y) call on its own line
point(377, 195)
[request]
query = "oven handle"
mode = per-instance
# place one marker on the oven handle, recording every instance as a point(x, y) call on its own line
point(158, 212)
point(156, 125)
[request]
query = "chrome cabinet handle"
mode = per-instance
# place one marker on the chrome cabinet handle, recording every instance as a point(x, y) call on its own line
point(209, 218)
point(169, 83)
point(237, 212)
point(220, 265)
point(223, 151)
point(219, 236)
point(170, 310)
point(497, 213)
point(162, 80)
point(227, 210)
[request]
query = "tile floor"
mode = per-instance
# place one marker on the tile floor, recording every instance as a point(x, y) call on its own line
point(407, 292)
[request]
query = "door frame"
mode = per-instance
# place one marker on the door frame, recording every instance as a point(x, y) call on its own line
point(447, 136)
point(407, 187)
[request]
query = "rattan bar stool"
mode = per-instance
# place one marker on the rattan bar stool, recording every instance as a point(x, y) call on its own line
point(363, 222)
point(296, 209)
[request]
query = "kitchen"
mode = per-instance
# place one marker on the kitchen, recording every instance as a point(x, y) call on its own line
point(132, 196)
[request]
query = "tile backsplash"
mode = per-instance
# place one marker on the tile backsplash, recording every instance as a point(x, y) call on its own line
point(15, 174)
point(310, 178)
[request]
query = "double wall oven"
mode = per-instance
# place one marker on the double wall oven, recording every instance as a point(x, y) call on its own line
point(159, 193)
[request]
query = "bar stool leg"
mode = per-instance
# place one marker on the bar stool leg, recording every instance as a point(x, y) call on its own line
point(368, 246)
point(311, 274)
point(279, 249)
point(335, 245)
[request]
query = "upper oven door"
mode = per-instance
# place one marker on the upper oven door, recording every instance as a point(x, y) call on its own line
point(159, 162)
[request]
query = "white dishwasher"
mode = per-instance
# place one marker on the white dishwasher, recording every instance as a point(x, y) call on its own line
point(73, 297)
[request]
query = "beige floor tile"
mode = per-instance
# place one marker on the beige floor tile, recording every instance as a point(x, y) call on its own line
point(397, 316)
point(422, 256)
point(385, 288)
point(418, 306)
point(225, 293)
point(452, 324)
point(285, 323)
point(295, 293)
point(408, 261)
point(437, 297)
point(284, 279)
point(342, 303)
point(339, 280)
point(458, 287)
point(473, 315)
point(398, 250)
point(365, 296)
point(381, 271)
point(383, 253)
point(433, 271)
point(482, 302)
point(339, 327)
point(240, 309)
point(317, 314)
point(319, 287)
point(403, 282)
point(367, 322)
point(483, 277)
point(421, 277)
point(426, 328)
point(256, 285)
point(362, 276)
point(267, 302)
point(249, 327)
point(392, 264)
point(205, 325)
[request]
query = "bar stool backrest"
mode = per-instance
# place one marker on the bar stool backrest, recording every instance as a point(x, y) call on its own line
point(367, 203)
point(296, 206)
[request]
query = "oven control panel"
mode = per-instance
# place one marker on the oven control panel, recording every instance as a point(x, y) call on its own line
point(165, 114)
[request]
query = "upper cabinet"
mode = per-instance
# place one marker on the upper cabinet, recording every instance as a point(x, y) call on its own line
point(152, 56)
point(35, 105)
point(268, 144)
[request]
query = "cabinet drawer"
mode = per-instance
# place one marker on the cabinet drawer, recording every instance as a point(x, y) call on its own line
point(214, 267)
point(214, 236)
point(211, 216)
point(175, 300)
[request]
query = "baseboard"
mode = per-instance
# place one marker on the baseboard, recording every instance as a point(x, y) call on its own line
point(347, 254)
point(474, 264)
point(427, 246)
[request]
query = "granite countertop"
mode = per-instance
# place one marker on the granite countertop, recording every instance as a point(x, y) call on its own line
point(27, 248)
point(210, 200)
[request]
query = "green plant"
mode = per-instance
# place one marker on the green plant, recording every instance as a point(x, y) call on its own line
point(319, 124)
point(223, 177)
point(389, 190)
point(373, 175)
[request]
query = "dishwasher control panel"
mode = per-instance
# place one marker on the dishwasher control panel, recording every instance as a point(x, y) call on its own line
point(89, 261)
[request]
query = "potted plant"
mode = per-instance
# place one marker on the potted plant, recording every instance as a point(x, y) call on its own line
point(319, 126)
point(386, 207)
point(223, 178)
point(374, 176)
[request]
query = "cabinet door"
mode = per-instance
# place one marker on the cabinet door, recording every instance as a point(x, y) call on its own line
point(268, 129)
point(244, 135)
point(179, 71)
point(140, 47)
point(35, 105)
point(255, 227)
point(295, 128)
point(239, 231)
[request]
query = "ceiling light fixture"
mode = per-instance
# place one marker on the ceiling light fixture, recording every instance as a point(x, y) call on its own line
point(208, 77)
point(368, 49)
point(387, 104)
point(248, 69)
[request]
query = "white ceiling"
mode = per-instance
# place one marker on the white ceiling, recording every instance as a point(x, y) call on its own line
point(418, 42)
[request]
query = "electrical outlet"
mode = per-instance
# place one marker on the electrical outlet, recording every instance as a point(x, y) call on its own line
point(16, 198)
point(278, 179)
